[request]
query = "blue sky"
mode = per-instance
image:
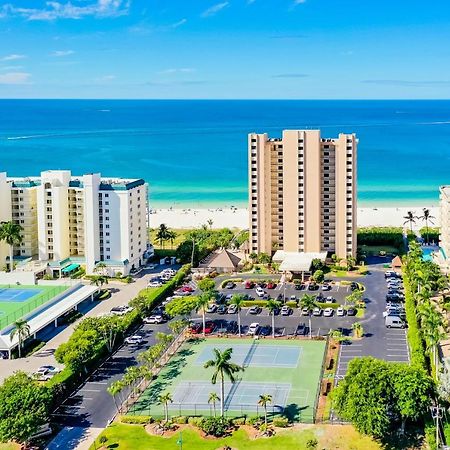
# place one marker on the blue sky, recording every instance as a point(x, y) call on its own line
point(225, 49)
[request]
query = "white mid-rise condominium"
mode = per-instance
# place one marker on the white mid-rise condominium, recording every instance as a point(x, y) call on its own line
point(71, 221)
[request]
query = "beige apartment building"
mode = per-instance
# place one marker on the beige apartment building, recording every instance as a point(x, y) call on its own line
point(302, 193)
point(70, 221)
point(444, 220)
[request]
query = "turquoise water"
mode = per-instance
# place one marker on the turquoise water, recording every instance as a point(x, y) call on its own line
point(195, 152)
point(426, 254)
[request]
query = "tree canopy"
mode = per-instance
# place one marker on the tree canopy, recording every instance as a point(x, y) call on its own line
point(24, 407)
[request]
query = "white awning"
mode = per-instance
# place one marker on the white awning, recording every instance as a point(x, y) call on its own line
point(297, 261)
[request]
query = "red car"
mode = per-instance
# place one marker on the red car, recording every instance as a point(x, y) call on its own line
point(196, 328)
point(209, 327)
point(249, 285)
point(271, 285)
point(187, 289)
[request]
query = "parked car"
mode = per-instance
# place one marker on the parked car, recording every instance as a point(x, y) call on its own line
point(212, 308)
point(154, 284)
point(232, 309)
point(301, 329)
point(249, 284)
point(222, 309)
point(255, 310)
point(134, 340)
point(394, 297)
point(253, 329)
point(351, 312)
point(45, 373)
point(230, 285)
point(286, 310)
point(259, 291)
point(354, 286)
point(328, 312)
point(330, 299)
point(154, 319)
point(228, 297)
point(305, 312)
point(392, 274)
point(293, 298)
point(121, 310)
point(326, 287)
point(271, 285)
point(317, 311)
point(340, 311)
point(196, 328)
point(299, 286)
point(232, 327)
point(209, 327)
point(265, 330)
point(394, 322)
point(313, 287)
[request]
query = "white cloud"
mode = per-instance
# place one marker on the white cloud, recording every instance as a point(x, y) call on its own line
point(214, 9)
point(11, 68)
point(55, 10)
point(105, 78)
point(15, 78)
point(13, 57)
point(177, 24)
point(182, 70)
point(59, 53)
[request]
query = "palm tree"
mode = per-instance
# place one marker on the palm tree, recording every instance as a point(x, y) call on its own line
point(308, 301)
point(22, 331)
point(115, 389)
point(263, 401)
point(171, 236)
point(161, 234)
point(201, 305)
point(165, 399)
point(210, 223)
point(213, 398)
point(10, 233)
point(99, 280)
point(238, 300)
point(272, 305)
point(426, 217)
point(100, 267)
point(223, 367)
point(358, 330)
point(410, 219)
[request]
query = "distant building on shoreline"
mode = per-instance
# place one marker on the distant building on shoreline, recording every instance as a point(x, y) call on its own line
point(302, 193)
point(71, 221)
point(444, 219)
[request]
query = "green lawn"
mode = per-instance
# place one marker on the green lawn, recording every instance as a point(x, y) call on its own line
point(183, 368)
point(10, 311)
point(134, 437)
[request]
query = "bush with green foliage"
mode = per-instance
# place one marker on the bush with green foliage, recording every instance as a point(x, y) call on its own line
point(281, 422)
point(238, 421)
point(215, 426)
point(180, 420)
point(136, 420)
point(318, 276)
point(431, 235)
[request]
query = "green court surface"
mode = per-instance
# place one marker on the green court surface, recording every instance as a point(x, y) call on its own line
point(17, 301)
point(288, 370)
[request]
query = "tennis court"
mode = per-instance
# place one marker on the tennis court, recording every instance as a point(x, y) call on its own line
point(288, 370)
point(16, 302)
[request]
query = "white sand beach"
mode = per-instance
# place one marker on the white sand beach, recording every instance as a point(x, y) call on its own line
point(238, 217)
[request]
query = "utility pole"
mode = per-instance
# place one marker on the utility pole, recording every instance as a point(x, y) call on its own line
point(436, 414)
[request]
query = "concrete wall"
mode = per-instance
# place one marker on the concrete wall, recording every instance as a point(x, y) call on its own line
point(26, 278)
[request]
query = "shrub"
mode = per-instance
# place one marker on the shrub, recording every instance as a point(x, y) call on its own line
point(180, 420)
point(233, 280)
point(195, 421)
point(238, 421)
point(261, 303)
point(377, 236)
point(252, 420)
point(291, 303)
point(136, 420)
point(281, 422)
point(312, 443)
point(215, 426)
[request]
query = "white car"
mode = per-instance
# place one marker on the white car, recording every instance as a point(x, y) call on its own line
point(340, 311)
point(156, 318)
point(317, 311)
point(259, 291)
point(134, 340)
point(232, 309)
point(154, 284)
point(253, 329)
point(212, 308)
point(121, 310)
point(328, 312)
point(44, 373)
point(286, 310)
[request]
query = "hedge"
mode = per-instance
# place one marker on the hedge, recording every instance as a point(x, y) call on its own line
point(392, 236)
point(415, 338)
point(232, 280)
point(136, 420)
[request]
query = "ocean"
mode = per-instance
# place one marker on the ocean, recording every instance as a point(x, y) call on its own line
point(194, 152)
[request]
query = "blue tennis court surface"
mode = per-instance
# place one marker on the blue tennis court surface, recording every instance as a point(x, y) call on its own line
point(14, 295)
point(254, 355)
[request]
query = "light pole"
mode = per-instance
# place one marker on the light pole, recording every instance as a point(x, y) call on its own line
point(436, 413)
